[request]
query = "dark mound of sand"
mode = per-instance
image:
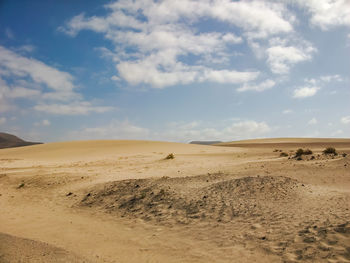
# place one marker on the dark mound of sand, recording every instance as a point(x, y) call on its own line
point(189, 199)
point(8, 141)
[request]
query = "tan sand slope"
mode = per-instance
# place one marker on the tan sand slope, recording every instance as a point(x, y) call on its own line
point(14, 249)
point(120, 201)
point(100, 149)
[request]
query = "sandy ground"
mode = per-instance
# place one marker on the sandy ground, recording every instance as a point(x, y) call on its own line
point(120, 201)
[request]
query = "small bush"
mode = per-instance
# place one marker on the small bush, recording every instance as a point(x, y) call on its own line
point(330, 150)
point(307, 152)
point(283, 154)
point(20, 186)
point(299, 152)
point(170, 156)
point(344, 155)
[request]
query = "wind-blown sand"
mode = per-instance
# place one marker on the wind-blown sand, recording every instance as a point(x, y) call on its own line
point(120, 201)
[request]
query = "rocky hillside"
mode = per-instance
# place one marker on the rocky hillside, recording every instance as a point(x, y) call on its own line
point(9, 140)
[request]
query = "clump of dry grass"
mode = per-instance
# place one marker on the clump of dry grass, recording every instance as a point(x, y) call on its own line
point(283, 154)
point(170, 156)
point(330, 150)
point(301, 152)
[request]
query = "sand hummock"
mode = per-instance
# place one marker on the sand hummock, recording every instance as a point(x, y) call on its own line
point(122, 201)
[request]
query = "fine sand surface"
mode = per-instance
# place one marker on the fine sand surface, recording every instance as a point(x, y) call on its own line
point(122, 201)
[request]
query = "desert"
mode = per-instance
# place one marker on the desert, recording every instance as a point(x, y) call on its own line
point(124, 201)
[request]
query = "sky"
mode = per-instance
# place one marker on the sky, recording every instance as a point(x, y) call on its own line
point(174, 70)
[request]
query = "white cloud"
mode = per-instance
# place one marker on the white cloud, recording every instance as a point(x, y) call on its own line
point(25, 48)
point(2, 120)
point(39, 72)
point(75, 108)
point(267, 84)
point(31, 79)
point(168, 32)
point(228, 76)
point(288, 111)
point(43, 123)
point(281, 58)
point(313, 121)
point(324, 79)
point(345, 120)
point(146, 71)
point(327, 13)
point(22, 93)
point(329, 78)
point(115, 78)
point(305, 92)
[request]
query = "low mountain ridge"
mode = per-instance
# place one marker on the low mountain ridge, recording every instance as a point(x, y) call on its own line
point(8, 141)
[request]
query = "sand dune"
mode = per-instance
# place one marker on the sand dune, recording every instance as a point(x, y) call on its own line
point(121, 201)
point(100, 149)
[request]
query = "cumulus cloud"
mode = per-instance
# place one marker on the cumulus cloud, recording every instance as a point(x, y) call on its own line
point(162, 32)
point(30, 79)
point(330, 78)
point(327, 13)
point(305, 92)
point(282, 56)
point(267, 84)
point(345, 120)
point(17, 65)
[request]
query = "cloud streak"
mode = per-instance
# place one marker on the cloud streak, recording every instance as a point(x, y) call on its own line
point(34, 81)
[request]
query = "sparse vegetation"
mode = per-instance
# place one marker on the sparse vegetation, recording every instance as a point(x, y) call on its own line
point(330, 150)
point(301, 152)
point(307, 152)
point(344, 154)
point(283, 154)
point(170, 156)
point(20, 186)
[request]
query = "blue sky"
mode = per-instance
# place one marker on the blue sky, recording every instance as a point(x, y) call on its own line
point(174, 70)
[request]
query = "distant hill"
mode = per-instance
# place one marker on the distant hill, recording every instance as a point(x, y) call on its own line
point(9, 141)
point(205, 142)
point(290, 142)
